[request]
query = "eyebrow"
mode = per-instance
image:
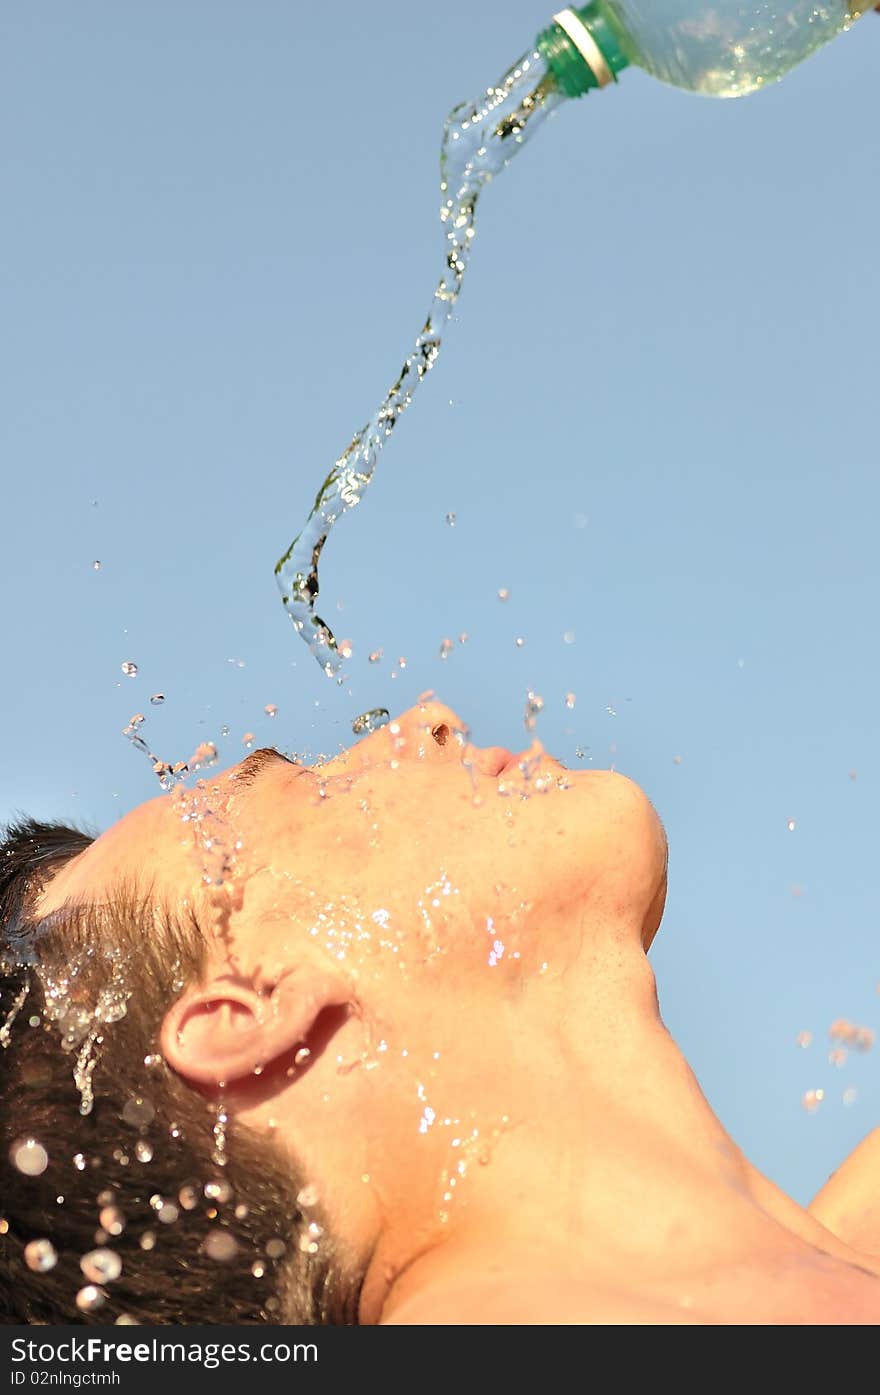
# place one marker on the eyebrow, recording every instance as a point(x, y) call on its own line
point(256, 763)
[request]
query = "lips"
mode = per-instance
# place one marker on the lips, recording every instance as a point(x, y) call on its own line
point(535, 755)
point(513, 762)
point(491, 760)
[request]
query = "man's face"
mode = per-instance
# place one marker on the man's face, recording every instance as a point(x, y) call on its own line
point(388, 933)
point(412, 850)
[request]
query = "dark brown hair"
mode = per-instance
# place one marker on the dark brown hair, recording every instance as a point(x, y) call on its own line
point(106, 975)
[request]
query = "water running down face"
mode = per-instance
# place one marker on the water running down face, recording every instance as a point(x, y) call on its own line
point(381, 922)
point(517, 840)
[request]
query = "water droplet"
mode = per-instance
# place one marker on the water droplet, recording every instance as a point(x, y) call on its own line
point(275, 1249)
point(446, 648)
point(129, 669)
point(96, 565)
point(345, 648)
point(463, 637)
point(218, 1191)
point(221, 1119)
point(138, 1112)
point(570, 699)
point(812, 1099)
point(375, 655)
point(220, 1246)
point(271, 709)
point(301, 1056)
point(126, 1320)
point(143, 1151)
point(534, 707)
point(112, 1220)
point(148, 1240)
point(308, 1196)
point(791, 825)
point(40, 1256)
point(90, 1298)
point(101, 1266)
point(224, 730)
point(79, 1162)
point(450, 519)
point(188, 1197)
point(519, 642)
point(803, 1039)
point(371, 721)
point(258, 1269)
point(850, 1094)
point(166, 1211)
point(29, 1157)
point(248, 739)
point(401, 662)
point(504, 593)
point(157, 699)
point(568, 637)
point(204, 754)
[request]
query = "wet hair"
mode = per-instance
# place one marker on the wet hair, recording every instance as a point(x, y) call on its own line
point(82, 997)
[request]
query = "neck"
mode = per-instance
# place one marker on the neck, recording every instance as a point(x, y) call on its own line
point(611, 1168)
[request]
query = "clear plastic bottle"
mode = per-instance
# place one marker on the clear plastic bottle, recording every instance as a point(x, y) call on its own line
point(720, 48)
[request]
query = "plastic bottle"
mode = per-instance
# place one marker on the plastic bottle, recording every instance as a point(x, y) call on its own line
point(723, 49)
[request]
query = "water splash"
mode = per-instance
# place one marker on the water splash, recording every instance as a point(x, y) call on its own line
point(479, 140)
point(371, 721)
point(169, 775)
point(221, 1119)
point(12, 1014)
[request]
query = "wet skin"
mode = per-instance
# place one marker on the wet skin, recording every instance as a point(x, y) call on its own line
point(457, 939)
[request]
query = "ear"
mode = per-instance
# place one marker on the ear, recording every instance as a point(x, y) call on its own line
point(224, 1029)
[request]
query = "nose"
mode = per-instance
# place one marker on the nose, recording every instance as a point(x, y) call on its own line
point(428, 728)
point(431, 730)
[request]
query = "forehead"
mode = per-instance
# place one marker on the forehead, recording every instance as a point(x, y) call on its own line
point(144, 848)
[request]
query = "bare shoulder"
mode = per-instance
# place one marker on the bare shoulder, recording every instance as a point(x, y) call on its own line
point(849, 1203)
point(515, 1302)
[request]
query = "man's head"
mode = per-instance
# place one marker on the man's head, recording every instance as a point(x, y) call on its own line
point(81, 1000)
point(374, 929)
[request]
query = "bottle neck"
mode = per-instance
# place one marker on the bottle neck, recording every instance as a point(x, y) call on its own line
point(582, 49)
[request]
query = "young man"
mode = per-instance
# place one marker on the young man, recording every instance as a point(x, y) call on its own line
point(377, 1041)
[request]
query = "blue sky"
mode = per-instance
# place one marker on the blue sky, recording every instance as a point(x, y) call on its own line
point(654, 419)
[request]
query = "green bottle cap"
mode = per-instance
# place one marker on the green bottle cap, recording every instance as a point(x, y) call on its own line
point(582, 49)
